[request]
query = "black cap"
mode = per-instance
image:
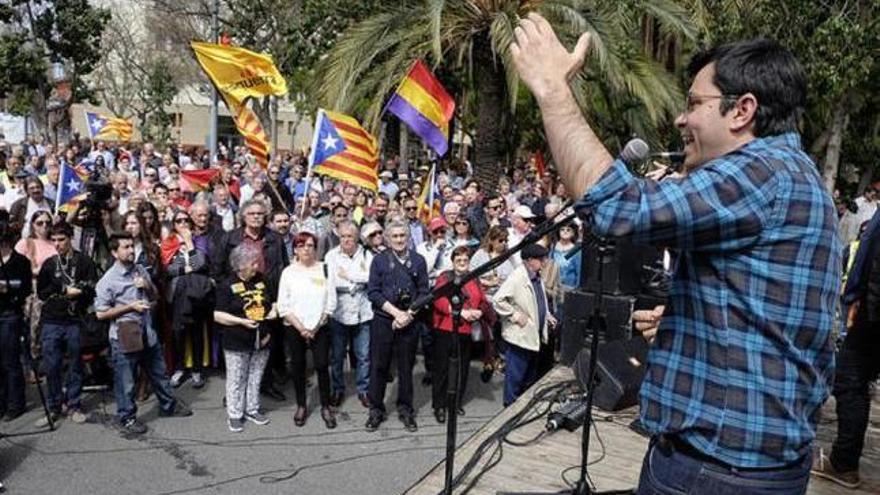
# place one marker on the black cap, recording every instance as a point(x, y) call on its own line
point(534, 251)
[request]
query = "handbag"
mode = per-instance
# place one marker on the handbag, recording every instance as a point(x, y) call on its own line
point(131, 336)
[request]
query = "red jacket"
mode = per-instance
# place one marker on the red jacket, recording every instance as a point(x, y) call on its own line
point(474, 299)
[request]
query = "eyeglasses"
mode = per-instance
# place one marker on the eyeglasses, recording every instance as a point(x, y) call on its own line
point(691, 100)
point(181, 220)
point(176, 189)
point(375, 234)
point(41, 223)
point(411, 208)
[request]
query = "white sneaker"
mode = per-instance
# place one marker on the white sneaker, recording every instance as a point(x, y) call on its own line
point(198, 381)
point(178, 378)
point(77, 416)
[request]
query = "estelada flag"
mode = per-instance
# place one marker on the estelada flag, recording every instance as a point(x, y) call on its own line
point(197, 180)
point(103, 127)
point(424, 105)
point(239, 73)
point(344, 150)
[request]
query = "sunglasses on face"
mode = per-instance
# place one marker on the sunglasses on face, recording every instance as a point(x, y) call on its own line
point(181, 220)
point(41, 223)
point(411, 208)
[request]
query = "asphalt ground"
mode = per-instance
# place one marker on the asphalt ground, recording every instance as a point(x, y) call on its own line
point(199, 454)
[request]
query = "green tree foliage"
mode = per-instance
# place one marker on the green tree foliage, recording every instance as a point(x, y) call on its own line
point(839, 46)
point(621, 89)
point(38, 32)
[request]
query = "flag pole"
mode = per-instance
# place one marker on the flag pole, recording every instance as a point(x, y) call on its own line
point(318, 118)
point(212, 138)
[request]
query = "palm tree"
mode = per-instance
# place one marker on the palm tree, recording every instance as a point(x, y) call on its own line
point(470, 38)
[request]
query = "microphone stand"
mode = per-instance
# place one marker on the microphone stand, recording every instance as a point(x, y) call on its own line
point(452, 290)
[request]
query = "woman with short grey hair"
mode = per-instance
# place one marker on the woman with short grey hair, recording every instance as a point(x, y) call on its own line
point(244, 302)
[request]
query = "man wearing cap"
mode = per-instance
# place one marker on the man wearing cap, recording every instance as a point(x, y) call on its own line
point(388, 187)
point(520, 226)
point(521, 304)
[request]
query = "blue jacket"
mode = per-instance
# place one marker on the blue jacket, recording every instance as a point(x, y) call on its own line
point(390, 279)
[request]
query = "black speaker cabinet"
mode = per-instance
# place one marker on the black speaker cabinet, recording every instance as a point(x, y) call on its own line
point(620, 369)
point(578, 307)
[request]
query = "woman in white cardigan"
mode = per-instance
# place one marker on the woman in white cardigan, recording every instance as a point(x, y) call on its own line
point(306, 299)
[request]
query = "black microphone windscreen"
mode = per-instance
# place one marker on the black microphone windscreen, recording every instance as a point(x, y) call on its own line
point(635, 151)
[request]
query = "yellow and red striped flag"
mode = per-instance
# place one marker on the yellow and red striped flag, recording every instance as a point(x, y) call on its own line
point(249, 126)
point(344, 150)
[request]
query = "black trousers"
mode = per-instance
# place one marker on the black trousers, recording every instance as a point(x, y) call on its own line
point(858, 364)
point(320, 346)
point(443, 349)
point(386, 343)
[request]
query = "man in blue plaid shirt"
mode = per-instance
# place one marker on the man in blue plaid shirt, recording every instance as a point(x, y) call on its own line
point(743, 358)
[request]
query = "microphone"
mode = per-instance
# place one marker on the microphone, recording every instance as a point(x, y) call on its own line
point(636, 150)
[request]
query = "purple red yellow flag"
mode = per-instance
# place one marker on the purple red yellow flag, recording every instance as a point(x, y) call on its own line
point(424, 105)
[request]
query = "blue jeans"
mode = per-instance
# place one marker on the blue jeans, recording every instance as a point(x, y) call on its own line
point(520, 372)
point(124, 371)
point(12, 379)
point(360, 341)
point(57, 336)
point(668, 471)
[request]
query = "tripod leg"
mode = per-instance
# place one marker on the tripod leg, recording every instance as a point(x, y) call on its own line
point(36, 373)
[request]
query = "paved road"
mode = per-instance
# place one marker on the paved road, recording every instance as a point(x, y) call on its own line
point(200, 455)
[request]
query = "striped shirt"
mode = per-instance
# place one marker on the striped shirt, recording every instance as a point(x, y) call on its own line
point(743, 359)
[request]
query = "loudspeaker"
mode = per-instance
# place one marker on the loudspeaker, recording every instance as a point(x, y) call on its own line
point(620, 369)
point(576, 312)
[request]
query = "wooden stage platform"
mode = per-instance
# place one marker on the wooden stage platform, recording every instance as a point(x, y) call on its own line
point(615, 454)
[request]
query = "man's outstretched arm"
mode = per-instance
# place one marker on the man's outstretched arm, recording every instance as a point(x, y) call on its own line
point(546, 67)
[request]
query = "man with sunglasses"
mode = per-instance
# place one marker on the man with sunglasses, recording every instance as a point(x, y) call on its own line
point(417, 232)
point(743, 357)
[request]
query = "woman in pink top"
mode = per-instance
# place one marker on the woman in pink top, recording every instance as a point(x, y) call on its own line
point(37, 247)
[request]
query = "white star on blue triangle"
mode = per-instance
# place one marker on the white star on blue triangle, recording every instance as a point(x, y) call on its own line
point(329, 141)
point(71, 183)
point(96, 123)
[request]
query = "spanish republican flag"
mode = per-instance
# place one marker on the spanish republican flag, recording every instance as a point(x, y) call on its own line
point(239, 73)
point(342, 149)
point(424, 105)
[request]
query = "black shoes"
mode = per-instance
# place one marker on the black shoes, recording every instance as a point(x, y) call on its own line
point(365, 400)
point(376, 418)
point(180, 410)
point(328, 417)
point(336, 399)
point(132, 427)
point(409, 422)
point(299, 417)
point(440, 415)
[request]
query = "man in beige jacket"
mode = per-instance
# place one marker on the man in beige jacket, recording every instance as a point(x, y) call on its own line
point(521, 303)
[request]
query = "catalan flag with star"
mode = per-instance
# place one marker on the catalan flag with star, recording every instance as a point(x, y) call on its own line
point(71, 187)
point(342, 149)
point(103, 127)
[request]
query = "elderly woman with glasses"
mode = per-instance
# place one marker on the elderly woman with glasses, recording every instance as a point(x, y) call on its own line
point(444, 338)
point(190, 291)
point(306, 300)
point(244, 302)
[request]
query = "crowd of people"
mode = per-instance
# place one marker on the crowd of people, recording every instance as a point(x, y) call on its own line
point(244, 277)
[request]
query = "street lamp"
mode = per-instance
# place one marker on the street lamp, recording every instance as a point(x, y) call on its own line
point(60, 98)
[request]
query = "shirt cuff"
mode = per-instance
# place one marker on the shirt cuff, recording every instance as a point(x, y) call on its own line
point(613, 181)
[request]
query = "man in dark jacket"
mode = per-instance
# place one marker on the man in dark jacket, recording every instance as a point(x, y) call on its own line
point(858, 363)
point(66, 285)
point(15, 286)
point(398, 276)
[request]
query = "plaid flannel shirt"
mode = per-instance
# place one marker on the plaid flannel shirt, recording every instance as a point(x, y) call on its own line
point(743, 358)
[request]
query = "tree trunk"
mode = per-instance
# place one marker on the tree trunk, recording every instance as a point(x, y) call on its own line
point(390, 145)
point(839, 121)
point(491, 103)
point(404, 147)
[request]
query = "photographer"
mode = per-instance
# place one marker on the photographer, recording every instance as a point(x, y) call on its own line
point(66, 285)
point(15, 286)
point(398, 276)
